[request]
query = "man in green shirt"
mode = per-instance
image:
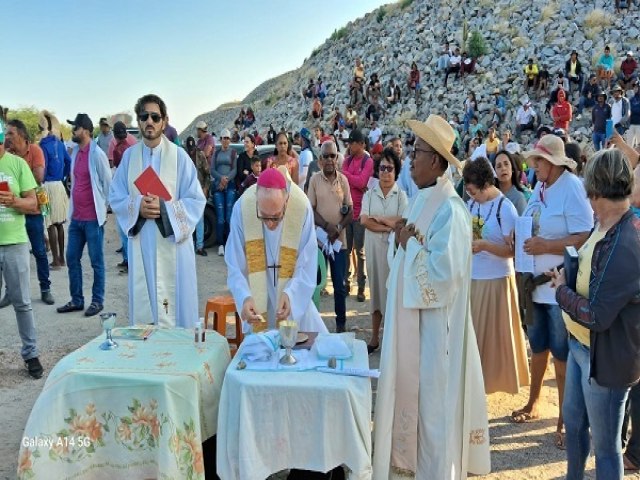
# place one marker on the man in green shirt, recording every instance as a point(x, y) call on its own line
point(17, 198)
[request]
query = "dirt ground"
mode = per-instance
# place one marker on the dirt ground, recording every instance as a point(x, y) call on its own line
point(519, 452)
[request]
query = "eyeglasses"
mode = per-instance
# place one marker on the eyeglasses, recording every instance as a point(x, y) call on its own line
point(386, 168)
point(155, 117)
point(328, 156)
point(276, 220)
point(416, 150)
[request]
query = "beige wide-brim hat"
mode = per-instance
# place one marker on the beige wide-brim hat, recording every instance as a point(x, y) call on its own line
point(438, 134)
point(43, 124)
point(551, 148)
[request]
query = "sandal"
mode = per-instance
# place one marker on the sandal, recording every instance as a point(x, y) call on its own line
point(629, 465)
point(559, 441)
point(521, 416)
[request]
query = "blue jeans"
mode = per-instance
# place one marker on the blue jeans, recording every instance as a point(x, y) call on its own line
point(585, 102)
point(91, 234)
point(633, 445)
point(587, 404)
point(200, 233)
point(35, 230)
point(14, 268)
point(548, 331)
point(125, 243)
point(224, 201)
point(599, 140)
point(338, 270)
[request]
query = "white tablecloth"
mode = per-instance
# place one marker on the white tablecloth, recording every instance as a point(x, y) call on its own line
point(271, 421)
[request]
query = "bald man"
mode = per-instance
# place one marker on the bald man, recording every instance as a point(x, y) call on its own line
point(272, 255)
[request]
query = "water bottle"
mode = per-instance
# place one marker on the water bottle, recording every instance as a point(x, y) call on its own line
point(197, 334)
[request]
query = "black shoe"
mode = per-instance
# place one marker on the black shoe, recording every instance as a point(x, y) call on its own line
point(34, 367)
point(361, 297)
point(69, 307)
point(5, 302)
point(93, 309)
point(202, 252)
point(372, 348)
point(122, 264)
point(341, 328)
point(124, 268)
point(119, 250)
point(47, 298)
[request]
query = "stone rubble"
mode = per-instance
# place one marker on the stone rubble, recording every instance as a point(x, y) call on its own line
point(513, 30)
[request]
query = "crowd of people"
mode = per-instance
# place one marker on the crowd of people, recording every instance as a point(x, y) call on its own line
point(365, 194)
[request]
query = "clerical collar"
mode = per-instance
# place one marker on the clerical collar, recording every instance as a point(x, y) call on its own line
point(432, 184)
point(151, 151)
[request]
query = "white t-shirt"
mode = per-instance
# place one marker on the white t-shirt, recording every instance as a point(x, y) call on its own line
point(562, 210)
point(485, 265)
point(374, 135)
point(455, 59)
point(616, 111)
point(306, 157)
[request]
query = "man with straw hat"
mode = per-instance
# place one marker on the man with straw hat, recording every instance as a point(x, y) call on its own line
point(431, 414)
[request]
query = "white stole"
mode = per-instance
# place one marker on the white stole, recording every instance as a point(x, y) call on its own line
point(166, 255)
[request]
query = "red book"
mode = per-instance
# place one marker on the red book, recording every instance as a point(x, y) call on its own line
point(149, 182)
point(4, 186)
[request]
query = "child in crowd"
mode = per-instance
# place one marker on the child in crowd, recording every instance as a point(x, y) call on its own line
point(252, 178)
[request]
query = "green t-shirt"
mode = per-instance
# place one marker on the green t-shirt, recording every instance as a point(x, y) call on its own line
point(16, 171)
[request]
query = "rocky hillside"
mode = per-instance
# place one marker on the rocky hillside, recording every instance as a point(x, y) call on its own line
point(391, 37)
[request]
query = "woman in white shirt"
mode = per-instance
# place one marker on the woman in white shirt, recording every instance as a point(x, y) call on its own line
point(562, 217)
point(382, 207)
point(494, 298)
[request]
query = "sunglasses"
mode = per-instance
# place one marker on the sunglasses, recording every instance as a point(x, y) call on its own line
point(155, 117)
point(327, 156)
point(386, 168)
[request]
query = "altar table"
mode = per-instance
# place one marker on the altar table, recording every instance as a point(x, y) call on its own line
point(139, 411)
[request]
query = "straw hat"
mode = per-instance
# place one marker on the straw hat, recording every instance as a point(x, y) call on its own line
point(438, 134)
point(551, 148)
point(43, 123)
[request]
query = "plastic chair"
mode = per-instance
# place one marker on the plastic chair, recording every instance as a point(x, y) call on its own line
point(220, 307)
point(322, 265)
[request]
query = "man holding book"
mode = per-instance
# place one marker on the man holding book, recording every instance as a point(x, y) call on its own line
point(158, 201)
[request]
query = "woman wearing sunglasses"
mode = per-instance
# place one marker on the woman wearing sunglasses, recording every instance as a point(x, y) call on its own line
point(382, 207)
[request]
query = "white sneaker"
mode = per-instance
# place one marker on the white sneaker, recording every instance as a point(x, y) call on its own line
point(221, 251)
point(579, 116)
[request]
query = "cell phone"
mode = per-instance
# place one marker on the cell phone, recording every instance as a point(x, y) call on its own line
point(4, 186)
point(609, 129)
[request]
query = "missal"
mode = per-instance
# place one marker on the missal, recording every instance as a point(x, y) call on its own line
point(149, 182)
point(132, 333)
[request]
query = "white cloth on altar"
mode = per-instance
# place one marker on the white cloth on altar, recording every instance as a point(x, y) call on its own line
point(184, 212)
point(452, 404)
point(302, 284)
point(271, 421)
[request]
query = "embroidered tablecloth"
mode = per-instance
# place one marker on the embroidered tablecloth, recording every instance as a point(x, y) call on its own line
point(139, 411)
point(270, 421)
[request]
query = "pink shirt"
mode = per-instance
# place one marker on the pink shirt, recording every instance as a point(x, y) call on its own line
point(130, 139)
point(204, 142)
point(358, 172)
point(84, 208)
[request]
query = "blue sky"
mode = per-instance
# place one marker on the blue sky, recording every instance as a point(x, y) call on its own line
point(98, 57)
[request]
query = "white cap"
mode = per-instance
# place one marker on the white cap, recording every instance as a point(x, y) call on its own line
point(225, 133)
point(201, 125)
point(630, 53)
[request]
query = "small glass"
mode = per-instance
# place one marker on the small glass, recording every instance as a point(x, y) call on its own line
point(288, 337)
point(108, 321)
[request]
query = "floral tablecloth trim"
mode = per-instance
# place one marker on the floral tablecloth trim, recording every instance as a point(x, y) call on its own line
point(187, 448)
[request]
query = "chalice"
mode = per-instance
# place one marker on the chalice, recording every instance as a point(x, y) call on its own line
point(288, 335)
point(108, 321)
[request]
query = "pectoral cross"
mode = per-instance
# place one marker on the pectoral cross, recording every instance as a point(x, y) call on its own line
point(275, 275)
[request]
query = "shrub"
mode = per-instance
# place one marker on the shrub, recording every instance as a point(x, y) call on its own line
point(476, 47)
point(339, 34)
point(597, 19)
point(405, 3)
point(548, 12)
point(381, 13)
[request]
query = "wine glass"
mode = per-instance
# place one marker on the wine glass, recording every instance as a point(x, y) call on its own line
point(108, 321)
point(288, 336)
